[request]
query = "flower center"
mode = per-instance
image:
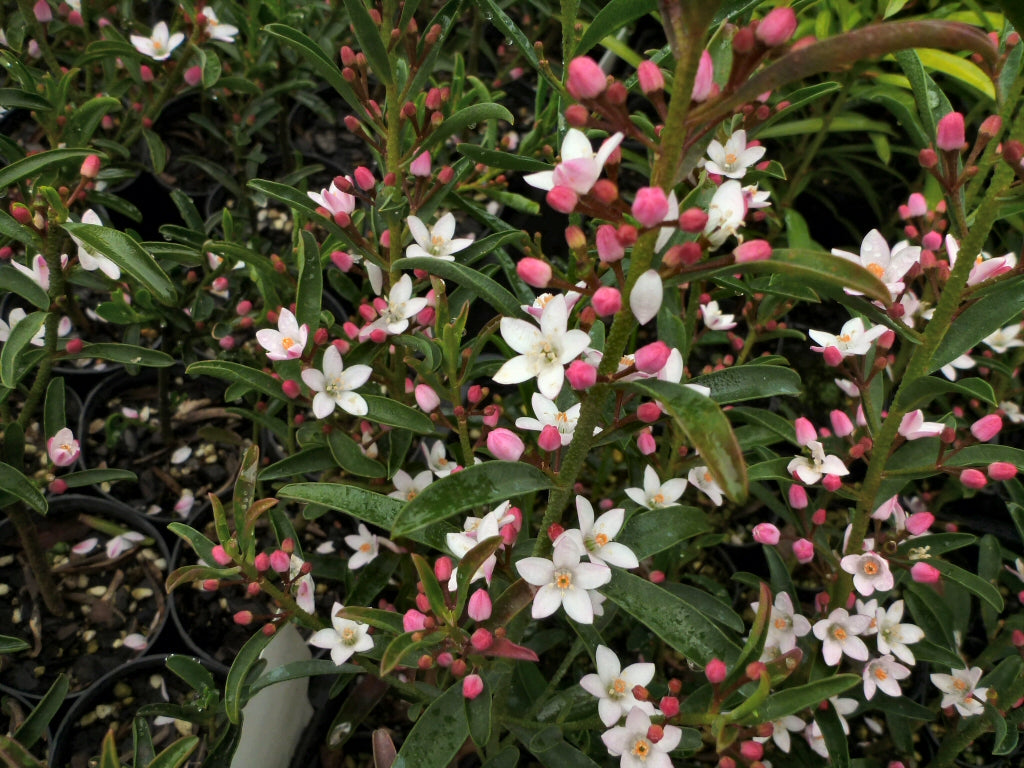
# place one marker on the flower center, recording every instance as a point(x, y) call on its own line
point(870, 568)
point(658, 499)
point(348, 636)
point(601, 539)
point(880, 673)
point(641, 748)
point(782, 624)
point(618, 688)
point(365, 547)
point(845, 338)
point(839, 633)
point(876, 269)
point(287, 342)
point(730, 161)
point(410, 495)
point(547, 351)
point(707, 477)
point(960, 685)
point(563, 579)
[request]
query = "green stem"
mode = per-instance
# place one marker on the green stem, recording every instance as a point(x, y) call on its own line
point(51, 252)
point(36, 557)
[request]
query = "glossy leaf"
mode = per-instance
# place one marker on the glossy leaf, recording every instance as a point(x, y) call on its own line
point(263, 383)
point(977, 455)
point(468, 566)
point(611, 18)
point(404, 645)
point(389, 621)
point(92, 477)
point(489, 483)
point(551, 749)
point(467, 117)
point(505, 161)
point(922, 391)
point(108, 751)
point(750, 382)
point(971, 582)
point(479, 716)
point(20, 339)
point(821, 268)
point(200, 544)
point(508, 28)
point(198, 677)
point(21, 284)
point(142, 741)
point(175, 754)
point(384, 410)
point(34, 726)
point(793, 700)
point(35, 164)
point(438, 735)
point(431, 586)
point(707, 429)
point(126, 354)
point(311, 282)
point(305, 461)
point(235, 692)
point(670, 618)
point(997, 308)
point(16, 755)
point(12, 644)
point(479, 284)
point(16, 484)
point(650, 532)
point(128, 255)
point(300, 670)
point(54, 408)
point(836, 740)
point(368, 35)
point(350, 458)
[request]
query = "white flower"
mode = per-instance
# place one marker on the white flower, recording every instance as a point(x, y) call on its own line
point(549, 415)
point(726, 212)
point(439, 464)
point(1003, 339)
point(302, 585)
point(407, 487)
point(780, 731)
point(960, 689)
point(564, 581)
point(984, 265)
point(160, 44)
point(542, 351)
point(38, 272)
point(613, 686)
point(216, 30)
point(646, 296)
point(343, 638)
point(123, 542)
point(597, 536)
point(475, 531)
point(632, 743)
point(714, 319)
point(655, 494)
point(334, 385)
point(811, 470)
point(580, 167)
point(893, 636)
point(962, 363)
point(888, 266)
point(701, 478)
point(365, 545)
point(90, 260)
point(868, 608)
point(400, 308)
point(288, 341)
point(734, 158)
point(436, 241)
point(333, 200)
point(1012, 411)
point(870, 572)
point(853, 339)
point(914, 427)
point(839, 635)
point(784, 624)
point(883, 674)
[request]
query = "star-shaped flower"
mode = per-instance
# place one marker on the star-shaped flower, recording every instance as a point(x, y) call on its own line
point(839, 635)
point(883, 674)
point(407, 487)
point(159, 45)
point(365, 546)
point(580, 167)
point(597, 536)
point(437, 241)
point(785, 625)
point(288, 341)
point(887, 265)
point(333, 200)
point(734, 158)
point(714, 319)
point(656, 494)
point(344, 638)
point(217, 30)
point(632, 742)
point(564, 581)
point(401, 307)
point(702, 479)
point(811, 470)
point(549, 415)
point(870, 572)
point(726, 212)
point(90, 260)
point(893, 636)
point(960, 689)
point(853, 338)
point(613, 686)
point(334, 384)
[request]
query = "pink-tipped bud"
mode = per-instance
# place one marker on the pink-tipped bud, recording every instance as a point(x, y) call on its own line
point(606, 301)
point(145, 74)
point(841, 424)
point(291, 388)
point(804, 550)
point(987, 427)
point(1001, 470)
point(669, 706)
point(775, 29)
point(752, 750)
point(586, 79)
point(480, 606)
point(220, 556)
point(716, 671)
point(211, 585)
point(75, 19)
point(562, 199)
point(505, 444)
point(833, 356)
point(491, 415)
point(421, 166)
point(472, 686)
point(949, 134)
point(580, 375)
point(194, 75)
point(704, 82)
point(534, 272)
point(609, 247)
point(426, 398)
point(650, 206)
point(243, 618)
point(648, 413)
point(443, 568)
point(342, 260)
point(927, 158)
point(651, 358)
point(550, 439)
point(57, 486)
point(766, 533)
point(90, 167)
point(917, 205)
point(798, 497)
point(413, 621)
point(422, 603)
point(650, 77)
point(920, 522)
point(832, 483)
point(805, 431)
point(262, 562)
point(973, 478)
point(42, 11)
point(482, 639)
point(280, 561)
point(364, 178)
point(752, 250)
point(923, 573)
point(819, 517)
point(646, 444)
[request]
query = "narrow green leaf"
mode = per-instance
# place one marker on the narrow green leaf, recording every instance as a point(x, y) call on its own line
point(34, 164)
point(389, 621)
point(467, 117)
point(198, 677)
point(386, 411)
point(54, 413)
point(35, 725)
point(836, 740)
point(706, 427)
point(505, 161)
point(750, 382)
point(235, 372)
point(504, 23)
point(202, 545)
point(311, 281)
point(468, 566)
point(20, 339)
point(971, 582)
point(431, 586)
point(489, 483)
point(793, 700)
point(175, 754)
point(92, 477)
point(403, 646)
point(236, 693)
point(142, 741)
point(438, 735)
point(306, 461)
point(13, 98)
point(932, 103)
point(12, 644)
point(108, 751)
point(615, 15)
point(21, 284)
point(820, 268)
point(670, 618)
point(128, 255)
point(478, 715)
point(127, 354)
point(350, 458)
point(16, 484)
point(977, 455)
point(298, 670)
point(157, 151)
point(497, 296)
point(922, 391)
point(651, 532)
point(999, 307)
point(368, 36)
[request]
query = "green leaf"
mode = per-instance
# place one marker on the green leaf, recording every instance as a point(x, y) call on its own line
point(750, 382)
point(504, 161)
point(34, 164)
point(497, 296)
point(835, 737)
point(142, 738)
point(488, 483)
point(999, 306)
point(202, 545)
point(127, 354)
point(236, 693)
point(431, 586)
point(438, 735)
point(157, 151)
point(670, 618)
point(368, 37)
point(16, 484)
point(298, 670)
point(235, 372)
point(468, 566)
point(306, 461)
point(23, 285)
point(922, 391)
point(615, 15)
point(92, 477)
point(383, 410)
point(403, 646)
point(976, 455)
point(958, 68)
point(108, 751)
point(932, 103)
point(20, 339)
point(128, 255)
point(54, 413)
point(467, 117)
point(651, 532)
point(971, 582)
point(198, 677)
point(479, 717)
point(311, 281)
point(12, 644)
point(793, 700)
point(820, 268)
point(176, 753)
point(350, 458)
point(511, 31)
point(35, 725)
point(707, 429)
point(14, 98)
point(389, 621)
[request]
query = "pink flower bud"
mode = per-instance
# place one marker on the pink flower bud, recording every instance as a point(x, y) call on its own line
point(220, 556)
point(472, 686)
point(505, 444)
point(648, 413)
point(923, 573)
point(987, 427)
point(804, 550)
point(652, 357)
point(645, 443)
point(341, 260)
point(832, 483)
point(145, 74)
point(550, 438)
point(426, 398)
point(752, 250)
point(798, 497)
point(917, 205)
point(262, 562)
point(833, 356)
point(650, 206)
point(819, 517)
point(805, 431)
point(586, 79)
point(422, 602)
point(580, 375)
point(973, 478)
point(42, 12)
point(421, 165)
point(413, 621)
point(280, 561)
point(704, 83)
point(194, 75)
point(650, 77)
point(291, 388)
point(480, 606)
point(775, 29)
point(443, 568)
point(75, 20)
point(669, 706)
point(482, 639)
point(609, 247)
point(562, 199)
point(57, 486)
point(606, 301)
point(950, 135)
point(364, 178)
point(841, 424)
point(243, 618)
point(90, 167)
point(693, 220)
point(716, 671)
point(534, 272)
point(766, 533)
point(1001, 470)
point(920, 522)
point(491, 415)
point(752, 750)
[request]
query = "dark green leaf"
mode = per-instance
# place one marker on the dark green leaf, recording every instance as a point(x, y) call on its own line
point(793, 700)
point(16, 484)
point(977, 455)
point(54, 414)
point(656, 530)
point(157, 151)
point(467, 117)
point(92, 477)
point(497, 296)
point(812, 268)
point(383, 410)
point(508, 28)
point(142, 739)
point(971, 582)
point(939, 543)
point(306, 461)
point(20, 338)
point(128, 255)
point(498, 159)
point(368, 36)
point(35, 725)
point(478, 715)
point(922, 391)
point(176, 753)
point(750, 382)
point(126, 354)
point(468, 566)
point(438, 735)
point(235, 692)
point(1000, 306)
point(431, 586)
point(403, 647)
point(350, 458)
point(34, 164)
point(932, 103)
point(202, 545)
point(23, 285)
point(192, 672)
point(835, 737)
point(12, 644)
point(615, 15)
point(298, 670)
point(14, 98)
point(311, 282)
point(235, 372)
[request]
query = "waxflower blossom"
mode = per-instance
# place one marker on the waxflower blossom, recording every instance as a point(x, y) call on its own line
point(715, 319)
point(811, 470)
point(90, 260)
point(333, 385)
point(596, 535)
point(580, 167)
point(438, 460)
point(288, 341)
point(474, 531)
point(542, 351)
point(887, 265)
point(780, 732)
point(437, 241)
point(217, 30)
point(960, 689)
point(401, 307)
point(870, 572)
point(914, 427)
point(853, 338)
point(159, 45)
point(564, 581)
point(726, 212)
point(839, 635)
point(63, 449)
point(548, 414)
point(344, 638)
point(633, 745)
point(121, 543)
point(785, 625)
point(613, 686)
point(883, 674)
point(655, 494)
point(302, 585)
point(333, 200)
point(892, 636)
point(18, 314)
point(365, 545)
point(702, 479)
point(733, 159)
point(985, 266)
point(1004, 339)
point(407, 487)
